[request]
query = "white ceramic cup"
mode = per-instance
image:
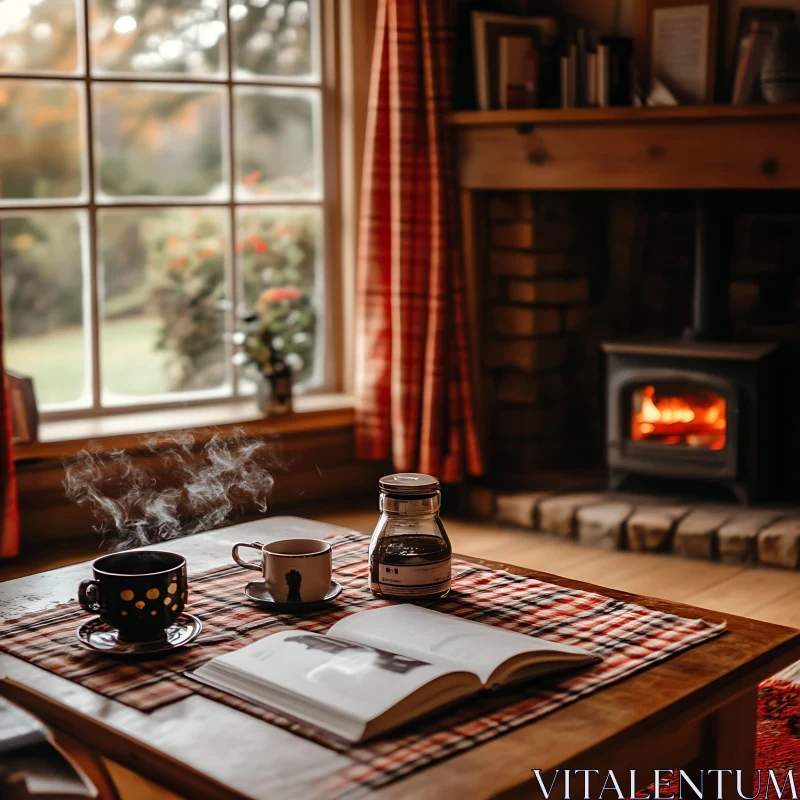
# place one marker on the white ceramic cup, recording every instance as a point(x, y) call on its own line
point(295, 570)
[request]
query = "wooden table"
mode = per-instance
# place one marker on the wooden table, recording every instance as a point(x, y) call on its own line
point(698, 708)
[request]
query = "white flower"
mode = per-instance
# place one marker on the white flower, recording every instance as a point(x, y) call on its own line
point(297, 12)
point(237, 11)
point(293, 361)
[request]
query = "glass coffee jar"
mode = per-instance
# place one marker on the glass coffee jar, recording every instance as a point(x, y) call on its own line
point(410, 555)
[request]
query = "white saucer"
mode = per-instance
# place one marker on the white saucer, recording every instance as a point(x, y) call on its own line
point(257, 591)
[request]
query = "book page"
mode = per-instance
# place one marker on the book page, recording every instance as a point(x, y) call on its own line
point(18, 728)
point(444, 639)
point(354, 680)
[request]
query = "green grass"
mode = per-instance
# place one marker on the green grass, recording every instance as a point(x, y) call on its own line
point(130, 363)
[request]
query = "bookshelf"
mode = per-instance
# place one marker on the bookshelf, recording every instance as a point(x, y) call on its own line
point(678, 147)
point(558, 116)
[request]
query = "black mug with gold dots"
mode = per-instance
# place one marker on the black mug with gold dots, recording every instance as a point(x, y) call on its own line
point(139, 592)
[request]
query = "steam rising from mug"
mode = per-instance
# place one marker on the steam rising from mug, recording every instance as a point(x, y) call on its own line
point(229, 473)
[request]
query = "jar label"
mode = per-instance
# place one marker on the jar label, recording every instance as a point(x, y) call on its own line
point(414, 581)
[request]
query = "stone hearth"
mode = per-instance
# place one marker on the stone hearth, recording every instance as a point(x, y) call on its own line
point(643, 523)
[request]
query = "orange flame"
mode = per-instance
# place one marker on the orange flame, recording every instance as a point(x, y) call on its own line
point(694, 418)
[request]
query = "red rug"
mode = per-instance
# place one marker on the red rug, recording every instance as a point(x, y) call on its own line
point(777, 740)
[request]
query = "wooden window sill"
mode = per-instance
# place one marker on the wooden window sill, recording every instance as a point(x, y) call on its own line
point(58, 439)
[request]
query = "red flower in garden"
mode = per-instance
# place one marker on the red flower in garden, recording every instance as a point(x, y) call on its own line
point(180, 262)
point(260, 246)
point(277, 294)
point(253, 177)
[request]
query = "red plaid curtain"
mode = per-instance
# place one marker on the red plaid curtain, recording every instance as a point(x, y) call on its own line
point(9, 513)
point(413, 383)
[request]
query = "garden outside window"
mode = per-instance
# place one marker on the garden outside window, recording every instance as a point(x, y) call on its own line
point(162, 167)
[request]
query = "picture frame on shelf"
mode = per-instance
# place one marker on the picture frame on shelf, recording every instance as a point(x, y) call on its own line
point(757, 27)
point(488, 28)
point(736, 20)
point(24, 411)
point(675, 41)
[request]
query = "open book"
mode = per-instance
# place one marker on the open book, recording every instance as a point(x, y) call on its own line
point(32, 765)
point(376, 670)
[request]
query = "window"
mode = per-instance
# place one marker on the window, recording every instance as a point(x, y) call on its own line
point(161, 167)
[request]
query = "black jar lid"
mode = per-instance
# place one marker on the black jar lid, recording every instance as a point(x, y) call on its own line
point(409, 484)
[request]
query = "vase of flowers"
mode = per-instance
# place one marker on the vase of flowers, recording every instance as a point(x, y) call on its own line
point(274, 393)
point(274, 342)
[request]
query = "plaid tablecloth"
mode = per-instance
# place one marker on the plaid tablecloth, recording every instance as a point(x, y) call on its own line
point(628, 637)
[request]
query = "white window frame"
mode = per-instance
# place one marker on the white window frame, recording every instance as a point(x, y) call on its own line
point(330, 356)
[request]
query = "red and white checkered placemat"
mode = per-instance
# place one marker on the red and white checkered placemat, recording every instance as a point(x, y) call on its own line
point(629, 638)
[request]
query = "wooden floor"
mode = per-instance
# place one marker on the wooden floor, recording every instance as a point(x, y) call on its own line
point(763, 593)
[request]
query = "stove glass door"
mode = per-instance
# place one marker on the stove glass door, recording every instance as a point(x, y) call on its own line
point(678, 415)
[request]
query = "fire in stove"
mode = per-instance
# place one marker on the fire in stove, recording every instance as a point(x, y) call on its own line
point(693, 417)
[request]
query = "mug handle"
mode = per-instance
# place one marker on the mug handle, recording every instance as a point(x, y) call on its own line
point(256, 565)
point(89, 596)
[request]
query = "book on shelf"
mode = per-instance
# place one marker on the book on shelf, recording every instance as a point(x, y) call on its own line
point(379, 669)
point(603, 75)
point(571, 83)
point(591, 78)
point(614, 71)
point(598, 74)
point(487, 30)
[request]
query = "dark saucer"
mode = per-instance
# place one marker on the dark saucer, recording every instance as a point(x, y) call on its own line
point(102, 638)
point(257, 591)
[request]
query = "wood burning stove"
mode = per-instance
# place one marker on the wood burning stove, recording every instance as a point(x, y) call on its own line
point(701, 408)
point(694, 411)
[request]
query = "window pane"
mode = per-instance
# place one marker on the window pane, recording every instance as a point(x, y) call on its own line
point(276, 38)
point(39, 35)
point(164, 278)
point(158, 141)
point(44, 256)
point(158, 38)
point(41, 140)
point(280, 248)
point(277, 144)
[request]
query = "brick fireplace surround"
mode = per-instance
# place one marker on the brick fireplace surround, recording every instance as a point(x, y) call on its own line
point(563, 272)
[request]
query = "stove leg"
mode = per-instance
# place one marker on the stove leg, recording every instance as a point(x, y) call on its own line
point(616, 477)
point(742, 494)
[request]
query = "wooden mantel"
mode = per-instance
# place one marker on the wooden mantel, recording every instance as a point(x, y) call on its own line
point(681, 147)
